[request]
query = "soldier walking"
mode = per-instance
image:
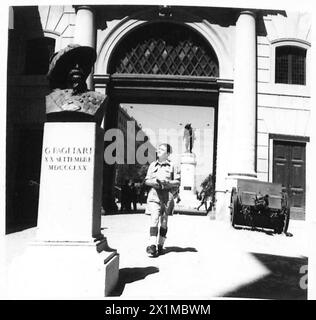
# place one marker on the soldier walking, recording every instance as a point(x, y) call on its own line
point(162, 178)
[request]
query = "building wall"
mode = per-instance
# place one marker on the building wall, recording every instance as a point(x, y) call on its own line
point(130, 145)
point(282, 109)
point(59, 23)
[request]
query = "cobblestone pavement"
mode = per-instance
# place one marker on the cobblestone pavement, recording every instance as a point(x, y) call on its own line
point(206, 259)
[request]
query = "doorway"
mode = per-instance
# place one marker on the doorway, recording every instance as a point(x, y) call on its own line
point(289, 167)
point(165, 123)
point(123, 94)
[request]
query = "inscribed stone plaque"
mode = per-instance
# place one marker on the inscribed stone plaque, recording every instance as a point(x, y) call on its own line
point(71, 181)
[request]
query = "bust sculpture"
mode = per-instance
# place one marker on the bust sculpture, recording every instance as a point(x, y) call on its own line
point(70, 99)
point(188, 137)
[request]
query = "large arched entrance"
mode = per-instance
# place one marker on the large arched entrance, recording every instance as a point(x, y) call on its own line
point(160, 63)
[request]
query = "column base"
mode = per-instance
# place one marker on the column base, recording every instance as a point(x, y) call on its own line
point(222, 210)
point(249, 175)
point(64, 270)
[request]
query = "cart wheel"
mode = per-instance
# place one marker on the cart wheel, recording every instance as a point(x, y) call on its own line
point(234, 207)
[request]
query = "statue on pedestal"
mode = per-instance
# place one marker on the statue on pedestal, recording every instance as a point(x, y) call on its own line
point(70, 99)
point(188, 137)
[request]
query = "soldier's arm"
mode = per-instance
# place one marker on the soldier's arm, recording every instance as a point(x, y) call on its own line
point(175, 182)
point(172, 184)
point(153, 183)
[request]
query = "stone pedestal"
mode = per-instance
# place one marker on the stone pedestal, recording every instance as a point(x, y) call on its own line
point(71, 257)
point(71, 182)
point(63, 270)
point(187, 186)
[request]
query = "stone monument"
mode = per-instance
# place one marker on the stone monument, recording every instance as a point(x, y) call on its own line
point(70, 99)
point(71, 257)
point(188, 168)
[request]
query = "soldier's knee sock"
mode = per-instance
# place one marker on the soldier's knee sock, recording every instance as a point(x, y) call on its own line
point(153, 235)
point(163, 231)
point(162, 235)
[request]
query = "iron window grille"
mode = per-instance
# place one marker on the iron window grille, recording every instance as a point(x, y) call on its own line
point(164, 49)
point(290, 66)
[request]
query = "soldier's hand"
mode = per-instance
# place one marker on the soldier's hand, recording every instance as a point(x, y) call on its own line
point(159, 184)
point(165, 183)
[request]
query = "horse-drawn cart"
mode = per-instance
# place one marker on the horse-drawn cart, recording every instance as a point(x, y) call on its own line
point(259, 204)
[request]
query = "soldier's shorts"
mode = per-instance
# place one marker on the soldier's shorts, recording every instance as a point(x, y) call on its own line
point(156, 209)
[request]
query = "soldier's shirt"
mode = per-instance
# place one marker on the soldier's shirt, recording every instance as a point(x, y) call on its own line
point(165, 170)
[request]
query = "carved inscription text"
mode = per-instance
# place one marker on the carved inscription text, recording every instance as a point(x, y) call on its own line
point(68, 158)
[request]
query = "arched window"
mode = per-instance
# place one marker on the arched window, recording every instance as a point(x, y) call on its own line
point(290, 65)
point(38, 53)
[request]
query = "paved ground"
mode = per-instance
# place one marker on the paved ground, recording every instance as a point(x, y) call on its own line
point(204, 259)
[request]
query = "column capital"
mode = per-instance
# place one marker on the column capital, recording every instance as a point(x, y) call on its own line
point(83, 7)
point(249, 12)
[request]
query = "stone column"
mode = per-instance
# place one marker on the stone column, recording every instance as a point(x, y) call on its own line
point(85, 31)
point(244, 120)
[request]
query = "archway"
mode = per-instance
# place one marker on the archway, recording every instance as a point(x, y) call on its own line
point(161, 63)
point(164, 49)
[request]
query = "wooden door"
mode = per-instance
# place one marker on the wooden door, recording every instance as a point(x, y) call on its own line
point(289, 160)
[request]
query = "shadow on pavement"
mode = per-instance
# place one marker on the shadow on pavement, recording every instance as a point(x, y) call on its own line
point(179, 249)
point(129, 275)
point(282, 283)
point(118, 212)
point(267, 232)
point(254, 229)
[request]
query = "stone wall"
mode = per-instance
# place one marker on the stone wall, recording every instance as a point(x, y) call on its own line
point(282, 109)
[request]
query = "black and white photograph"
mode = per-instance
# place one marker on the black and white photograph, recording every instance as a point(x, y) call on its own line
point(157, 150)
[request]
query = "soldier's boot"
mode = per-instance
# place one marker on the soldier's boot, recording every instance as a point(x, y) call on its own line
point(151, 249)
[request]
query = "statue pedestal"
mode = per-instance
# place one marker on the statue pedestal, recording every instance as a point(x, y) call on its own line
point(63, 270)
point(71, 182)
point(71, 257)
point(187, 186)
